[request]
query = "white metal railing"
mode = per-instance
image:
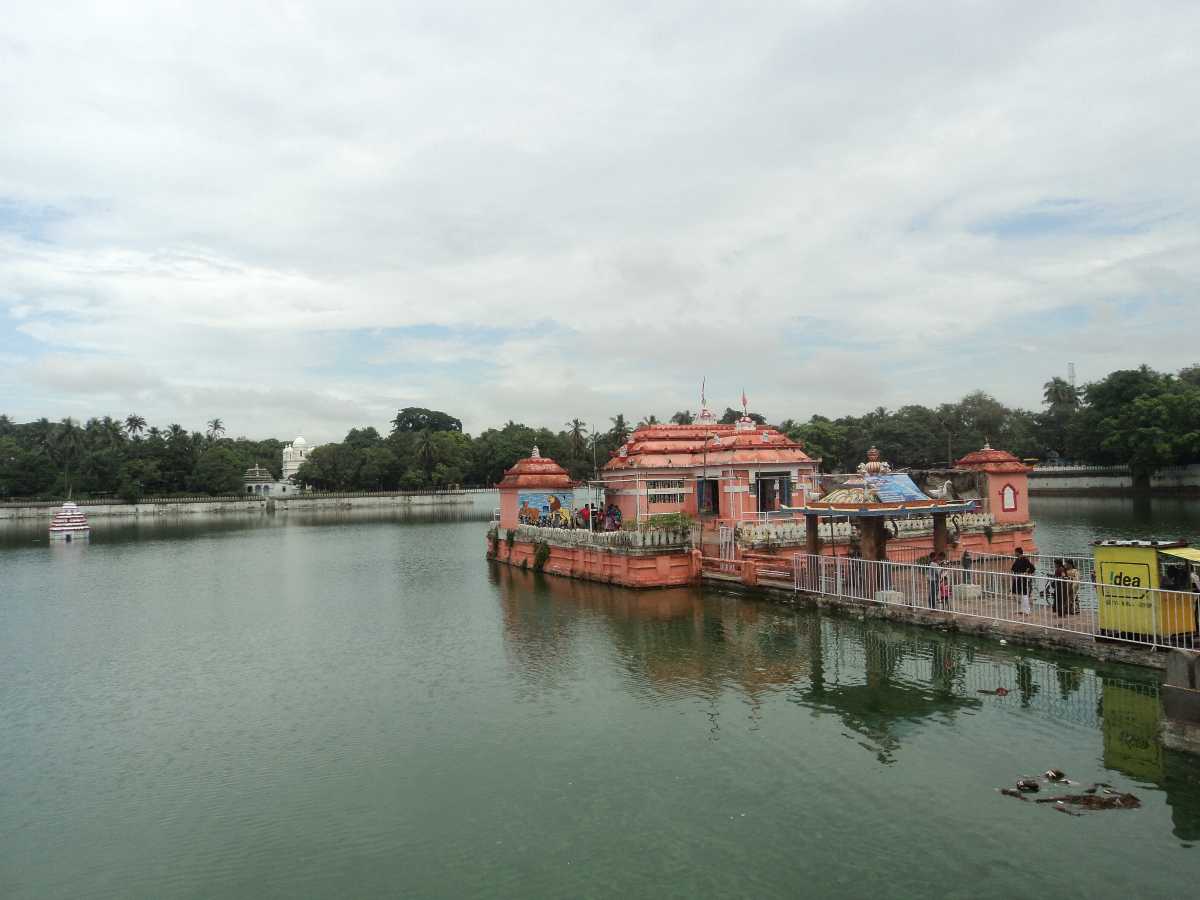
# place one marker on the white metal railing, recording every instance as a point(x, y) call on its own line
point(1150, 617)
point(793, 530)
point(644, 538)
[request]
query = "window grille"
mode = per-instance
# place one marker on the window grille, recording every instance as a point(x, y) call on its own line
point(664, 491)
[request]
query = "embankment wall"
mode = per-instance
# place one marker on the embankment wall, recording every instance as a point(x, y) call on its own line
point(178, 507)
point(1110, 480)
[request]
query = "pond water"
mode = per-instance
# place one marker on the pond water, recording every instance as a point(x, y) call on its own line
point(348, 705)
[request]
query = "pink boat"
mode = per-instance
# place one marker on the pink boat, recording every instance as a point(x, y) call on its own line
point(69, 524)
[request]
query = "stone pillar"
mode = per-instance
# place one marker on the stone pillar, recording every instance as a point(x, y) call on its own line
point(940, 537)
point(873, 540)
point(812, 539)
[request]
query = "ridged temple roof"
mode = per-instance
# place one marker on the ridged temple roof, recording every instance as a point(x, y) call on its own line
point(989, 460)
point(683, 447)
point(537, 471)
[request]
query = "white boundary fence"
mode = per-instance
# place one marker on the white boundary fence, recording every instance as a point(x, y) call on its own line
point(1150, 617)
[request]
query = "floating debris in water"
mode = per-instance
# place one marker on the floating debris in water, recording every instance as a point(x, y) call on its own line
point(1099, 796)
point(1107, 800)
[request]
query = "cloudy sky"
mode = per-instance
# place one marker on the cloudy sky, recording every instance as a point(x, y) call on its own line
point(300, 217)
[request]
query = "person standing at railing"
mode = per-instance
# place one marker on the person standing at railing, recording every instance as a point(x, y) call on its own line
point(944, 582)
point(1058, 588)
point(1072, 575)
point(1022, 579)
point(934, 575)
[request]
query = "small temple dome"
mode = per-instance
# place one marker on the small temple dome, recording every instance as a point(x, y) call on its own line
point(989, 460)
point(537, 471)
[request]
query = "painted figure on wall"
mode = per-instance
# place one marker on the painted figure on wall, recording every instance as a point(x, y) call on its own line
point(543, 508)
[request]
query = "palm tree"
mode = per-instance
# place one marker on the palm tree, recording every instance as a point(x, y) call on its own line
point(1060, 394)
point(67, 444)
point(216, 428)
point(426, 450)
point(110, 433)
point(577, 437)
point(620, 430)
point(683, 417)
point(134, 425)
point(648, 420)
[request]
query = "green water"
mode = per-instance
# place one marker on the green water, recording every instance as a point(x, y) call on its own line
point(349, 706)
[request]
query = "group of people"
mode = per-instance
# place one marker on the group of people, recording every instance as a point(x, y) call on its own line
point(1062, 590)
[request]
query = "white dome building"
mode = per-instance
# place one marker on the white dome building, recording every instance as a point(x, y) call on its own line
point(294, 456)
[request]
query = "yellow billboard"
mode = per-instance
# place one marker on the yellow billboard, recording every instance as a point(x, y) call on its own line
point(1129, 596)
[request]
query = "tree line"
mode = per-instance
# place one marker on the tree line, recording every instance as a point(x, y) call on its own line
point(1137, 417)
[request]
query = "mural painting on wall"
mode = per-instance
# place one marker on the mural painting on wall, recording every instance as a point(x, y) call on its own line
point(549, 508)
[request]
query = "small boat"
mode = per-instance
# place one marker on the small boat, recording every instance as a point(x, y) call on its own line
point(69, 523)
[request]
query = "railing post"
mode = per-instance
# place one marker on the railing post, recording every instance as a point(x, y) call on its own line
point(837, 561)
point(1153, 617)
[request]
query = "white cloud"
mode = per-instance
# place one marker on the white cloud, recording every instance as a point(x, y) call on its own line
point(791, 199)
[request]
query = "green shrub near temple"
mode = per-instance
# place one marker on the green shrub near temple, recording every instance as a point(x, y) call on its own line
point(676, 521)
point(541, 553)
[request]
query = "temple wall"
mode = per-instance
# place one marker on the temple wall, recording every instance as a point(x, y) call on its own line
point(508, 508)
point(996, 488)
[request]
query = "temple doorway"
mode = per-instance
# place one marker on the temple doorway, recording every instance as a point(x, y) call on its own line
point(773, 491)
point(708, 496)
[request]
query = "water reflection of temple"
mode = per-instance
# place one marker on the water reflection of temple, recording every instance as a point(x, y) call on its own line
point(884, 682)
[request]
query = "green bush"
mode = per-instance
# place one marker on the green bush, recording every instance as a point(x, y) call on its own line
point(541, 553)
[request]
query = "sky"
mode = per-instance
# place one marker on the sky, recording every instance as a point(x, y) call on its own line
point(301, 217)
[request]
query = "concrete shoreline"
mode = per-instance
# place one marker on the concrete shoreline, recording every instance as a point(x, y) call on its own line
point(255, 505)
point(1112, 481)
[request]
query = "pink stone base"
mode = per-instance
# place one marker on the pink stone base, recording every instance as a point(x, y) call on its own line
point(628, 569)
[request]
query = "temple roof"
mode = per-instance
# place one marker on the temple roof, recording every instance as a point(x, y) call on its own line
point(878, 491)
point(988, 460)
point(683, 447)
point(537, 471)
